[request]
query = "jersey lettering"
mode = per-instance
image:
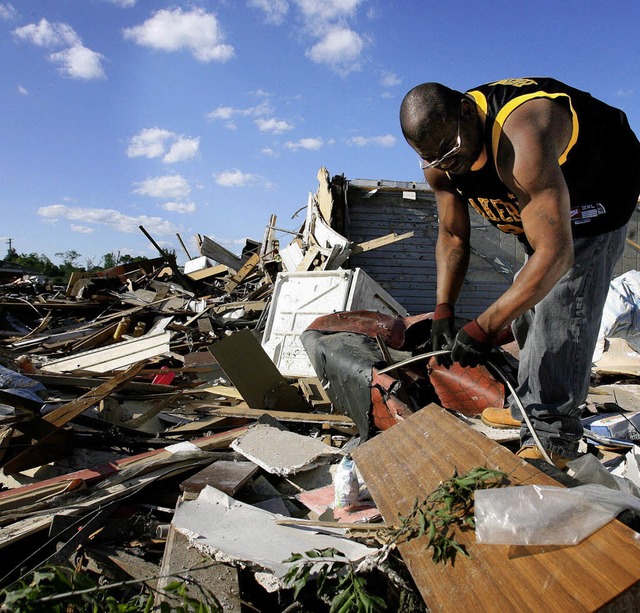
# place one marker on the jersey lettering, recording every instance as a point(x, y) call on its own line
point(515, 82)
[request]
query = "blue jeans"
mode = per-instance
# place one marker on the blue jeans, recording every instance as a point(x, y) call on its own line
point(557, 339)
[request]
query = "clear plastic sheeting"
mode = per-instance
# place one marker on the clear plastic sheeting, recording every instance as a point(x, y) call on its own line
point(621, 314)
point(546, 515)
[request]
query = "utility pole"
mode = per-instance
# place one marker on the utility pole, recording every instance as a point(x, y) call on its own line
point(10, 250)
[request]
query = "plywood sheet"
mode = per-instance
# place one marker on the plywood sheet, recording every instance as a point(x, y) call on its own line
point(410, 460)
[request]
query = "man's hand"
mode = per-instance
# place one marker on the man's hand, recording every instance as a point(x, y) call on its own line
point(443, 332)
point(472, 345)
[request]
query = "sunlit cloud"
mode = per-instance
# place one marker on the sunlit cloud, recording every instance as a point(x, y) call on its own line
point(46, 34)
point(195, 31)
point(274, 10)
point(273, 125)
point(312, 144)
point(180, 207)
point(235, 178)
point(228, 112)
point(389, 79)
point(81, 229)
point(78, 62)
point(74, 60)
point(340, 48)
point(109, 218)
point(158, 142)
point(125, 4)
point(23, 90)
point(7, 10)
point(167, 186)
point(388, 140)
point(327, 10)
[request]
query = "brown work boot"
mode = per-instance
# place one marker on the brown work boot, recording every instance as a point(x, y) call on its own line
point(531, 452)
point(499, 418)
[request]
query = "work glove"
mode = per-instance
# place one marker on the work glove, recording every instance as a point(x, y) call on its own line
point(472, 345)
point(443, 332)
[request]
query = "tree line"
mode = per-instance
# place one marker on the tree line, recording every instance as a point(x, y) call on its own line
point(41, 264)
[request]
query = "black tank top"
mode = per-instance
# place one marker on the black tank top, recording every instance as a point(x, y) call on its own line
point(601, 163)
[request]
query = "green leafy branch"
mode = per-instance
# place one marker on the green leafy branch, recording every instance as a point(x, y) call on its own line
point(334, 574)
point(58, 589)
point(449, 505)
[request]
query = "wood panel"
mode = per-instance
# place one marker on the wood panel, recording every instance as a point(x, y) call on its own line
point(410, 460)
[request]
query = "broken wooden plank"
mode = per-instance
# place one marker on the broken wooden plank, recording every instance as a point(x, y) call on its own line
point(245, 270)
point(113, 357)
point(57, 418)
point(242, 410)
point(28, 494)
point(210, 272)
point(411, 459)
point(381, 241)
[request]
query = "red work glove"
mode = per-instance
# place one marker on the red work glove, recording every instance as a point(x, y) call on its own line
point(443, 332)
point(472, 345)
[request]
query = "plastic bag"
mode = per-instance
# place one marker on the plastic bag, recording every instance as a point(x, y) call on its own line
point(346, 483)
point(546, 515)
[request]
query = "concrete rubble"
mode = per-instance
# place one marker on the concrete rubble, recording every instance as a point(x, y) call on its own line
point(161, 422)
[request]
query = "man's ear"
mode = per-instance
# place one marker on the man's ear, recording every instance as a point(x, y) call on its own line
point(467, 107)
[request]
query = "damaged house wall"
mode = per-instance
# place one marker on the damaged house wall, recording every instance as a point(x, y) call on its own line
point(407, 269)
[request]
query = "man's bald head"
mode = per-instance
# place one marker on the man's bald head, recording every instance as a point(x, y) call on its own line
point(427, 110)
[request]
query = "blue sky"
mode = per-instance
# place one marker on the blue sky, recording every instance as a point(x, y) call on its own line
point(209, 116)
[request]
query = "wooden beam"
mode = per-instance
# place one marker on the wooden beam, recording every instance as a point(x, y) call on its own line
point(242, 410)
point(246, 269)
point(411, 459)
point(381, 241)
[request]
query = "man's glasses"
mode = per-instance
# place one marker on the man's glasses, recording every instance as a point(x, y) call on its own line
point(424, 164)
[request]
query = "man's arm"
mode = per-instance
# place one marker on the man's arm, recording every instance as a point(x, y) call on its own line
point(534, 137)
point(452, 246)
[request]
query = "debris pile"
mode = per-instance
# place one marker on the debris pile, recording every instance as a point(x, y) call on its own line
point(234, 432)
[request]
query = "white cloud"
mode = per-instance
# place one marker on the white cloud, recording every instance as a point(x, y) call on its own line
point(78, 62)
point(269, 151)
point(274, 10)
point(273, 125)
point(167, 186)
point(107, 217)
point(23, 90)
point(389, 79)
point(46, 34)
point(227, 112)
point(180, 207)
point(327, 10)
point(82, 229)
point(387, 140)
point(152, 143)
point(235, 178)
point(125, 4)
point(182, 149)
point(7, 10)
point(74, 60)
point(148, 143)
point(312, 144)
point(340, 47)
point(174, 30)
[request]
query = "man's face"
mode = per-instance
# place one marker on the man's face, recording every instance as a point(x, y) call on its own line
point(455, 147)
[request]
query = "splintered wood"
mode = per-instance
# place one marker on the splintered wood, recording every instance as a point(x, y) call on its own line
point(410, 460)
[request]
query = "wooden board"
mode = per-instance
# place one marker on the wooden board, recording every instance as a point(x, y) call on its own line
point(253, 373)
point(410, 459)
point(227, 476)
